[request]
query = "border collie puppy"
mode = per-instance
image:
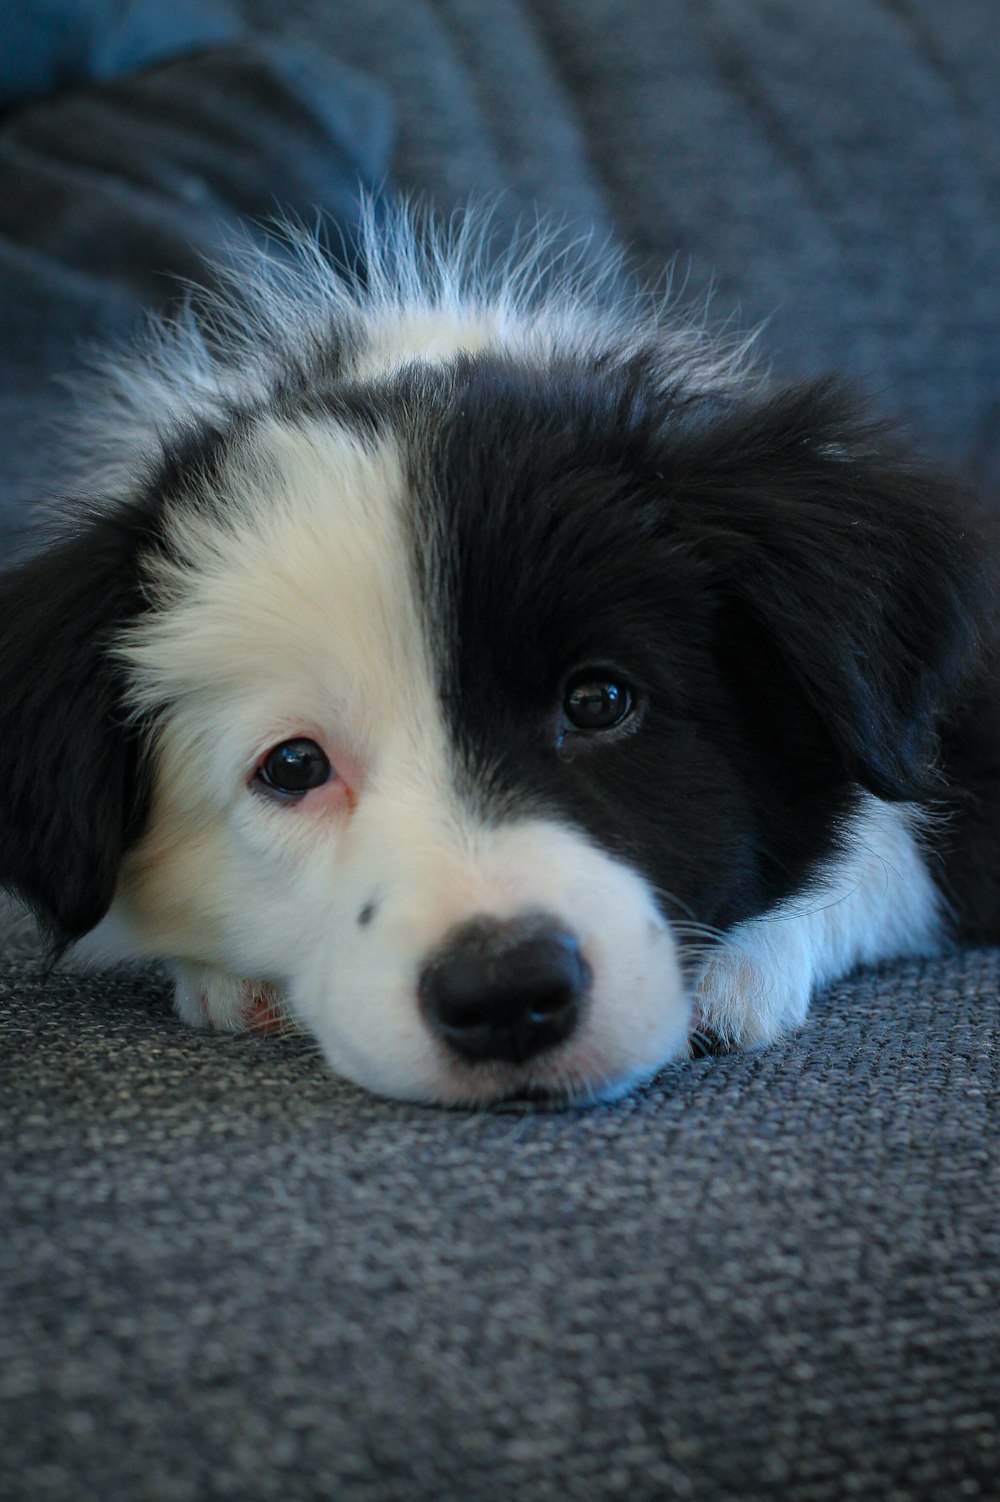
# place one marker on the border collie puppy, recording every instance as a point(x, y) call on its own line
point(493, 678)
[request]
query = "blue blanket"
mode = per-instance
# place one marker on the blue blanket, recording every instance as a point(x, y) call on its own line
point(133, 138)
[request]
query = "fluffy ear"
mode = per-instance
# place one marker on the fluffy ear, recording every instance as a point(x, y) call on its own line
point(872, 576)
point(70, 793)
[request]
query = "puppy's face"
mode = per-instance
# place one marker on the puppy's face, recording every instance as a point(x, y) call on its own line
point(433, 750)
point(467, 707)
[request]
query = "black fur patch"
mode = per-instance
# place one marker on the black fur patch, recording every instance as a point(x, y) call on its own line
point(793, 603)
point(73, 789)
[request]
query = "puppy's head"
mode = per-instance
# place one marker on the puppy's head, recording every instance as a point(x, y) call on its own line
point(462, 705)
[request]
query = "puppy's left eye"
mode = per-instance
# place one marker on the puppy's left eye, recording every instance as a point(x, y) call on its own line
point(595, 704)
point(294, 767)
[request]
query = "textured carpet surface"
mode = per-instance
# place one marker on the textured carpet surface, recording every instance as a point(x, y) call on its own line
point(227, 1275)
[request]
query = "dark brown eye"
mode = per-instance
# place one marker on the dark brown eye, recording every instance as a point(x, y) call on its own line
point(596, 704)
point(294, 767)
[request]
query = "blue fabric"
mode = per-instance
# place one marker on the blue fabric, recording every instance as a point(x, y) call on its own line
point(112, 190)
point(53, 45)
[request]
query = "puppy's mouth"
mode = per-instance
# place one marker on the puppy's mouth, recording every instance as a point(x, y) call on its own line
point(569, 1088)
point(571, 1077)
point(531, 1097)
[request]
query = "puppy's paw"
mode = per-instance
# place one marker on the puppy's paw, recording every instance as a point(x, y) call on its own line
point(756, 986)
point(205, 997)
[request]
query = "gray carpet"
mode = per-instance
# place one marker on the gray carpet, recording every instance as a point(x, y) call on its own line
point(226, 1275)
point(771, 1275)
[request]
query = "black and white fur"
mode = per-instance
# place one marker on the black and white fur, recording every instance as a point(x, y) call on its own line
point(406, 517)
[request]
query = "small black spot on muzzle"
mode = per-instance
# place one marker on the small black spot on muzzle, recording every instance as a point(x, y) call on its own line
point(505, 990)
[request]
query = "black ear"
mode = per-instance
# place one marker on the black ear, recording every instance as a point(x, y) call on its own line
point(71, 792)
point(871, 574)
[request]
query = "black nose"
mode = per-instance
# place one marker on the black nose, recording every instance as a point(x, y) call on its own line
point(498, 990)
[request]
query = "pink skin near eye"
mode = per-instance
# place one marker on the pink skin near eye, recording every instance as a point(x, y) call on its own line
point(339, 794)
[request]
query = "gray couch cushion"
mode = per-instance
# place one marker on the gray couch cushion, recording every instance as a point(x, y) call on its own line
point(768, 1275)
point(831, 167)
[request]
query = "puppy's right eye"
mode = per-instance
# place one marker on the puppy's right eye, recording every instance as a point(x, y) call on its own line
point(294, 767)
point(593, 703)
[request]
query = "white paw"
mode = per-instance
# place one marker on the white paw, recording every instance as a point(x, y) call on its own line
point(876, 903)
point(756, 986)
point(206, 997)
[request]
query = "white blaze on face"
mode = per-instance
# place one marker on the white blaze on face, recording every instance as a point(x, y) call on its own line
point(294, 611)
